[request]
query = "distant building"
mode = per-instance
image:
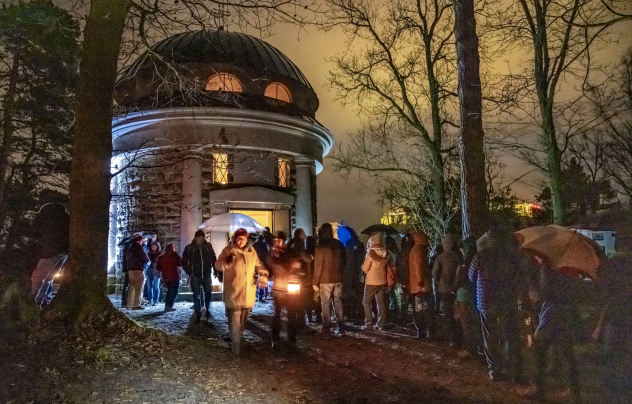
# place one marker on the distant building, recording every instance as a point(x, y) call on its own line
point(528, 209)
point(605, 238)
point(227, 126)
point(395, 217)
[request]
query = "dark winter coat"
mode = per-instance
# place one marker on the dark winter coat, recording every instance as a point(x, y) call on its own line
point(136, 259)
point(198, 260)
point(153, 259)
point(169, 265)
point(497, 275)
point(282, 266)
point(559, 317)
point(329, 261)
point(445, 266)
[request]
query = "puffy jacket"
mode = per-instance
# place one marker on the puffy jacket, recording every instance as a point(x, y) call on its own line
point(136, 259)
point(239, 267)
point(377, 261)
point(329, 261)
point(198, 260)
point(446, 265)
point(169, 265)
point(416, 265)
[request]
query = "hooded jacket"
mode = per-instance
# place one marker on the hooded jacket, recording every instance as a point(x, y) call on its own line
point(169, 264)
point(329, 260)
point(417, 265)
point(198, 260)
point(445, 266)
point(239, 266)
point(377, 261)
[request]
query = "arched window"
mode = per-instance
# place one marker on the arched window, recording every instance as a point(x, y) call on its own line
point(279, 92)
point(223, 82)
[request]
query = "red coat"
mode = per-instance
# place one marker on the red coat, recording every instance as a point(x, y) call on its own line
point(169, 265)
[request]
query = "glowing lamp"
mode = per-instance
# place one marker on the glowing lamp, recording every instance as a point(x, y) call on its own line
point(293, 286)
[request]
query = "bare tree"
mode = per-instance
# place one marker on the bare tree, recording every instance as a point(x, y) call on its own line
point(612, 100)
point(403, 78)
point(83, 291)
point(617, 11)
point(560, 42)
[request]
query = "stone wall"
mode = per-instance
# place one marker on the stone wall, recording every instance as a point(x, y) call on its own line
point(148, 195)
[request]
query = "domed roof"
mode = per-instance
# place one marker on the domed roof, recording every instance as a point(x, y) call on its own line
point(220, 46)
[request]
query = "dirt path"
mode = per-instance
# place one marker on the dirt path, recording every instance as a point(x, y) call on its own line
point(194, 365)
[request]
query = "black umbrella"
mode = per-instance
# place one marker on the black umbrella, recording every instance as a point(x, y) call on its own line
point(128, 239)
point(381, 228)
point(125, 240)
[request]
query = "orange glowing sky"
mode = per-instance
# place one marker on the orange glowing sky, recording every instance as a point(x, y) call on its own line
point(353, 201)
point(338, 199)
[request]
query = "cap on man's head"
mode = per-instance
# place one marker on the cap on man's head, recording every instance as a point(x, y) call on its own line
point(137, 237)
point(200, 233)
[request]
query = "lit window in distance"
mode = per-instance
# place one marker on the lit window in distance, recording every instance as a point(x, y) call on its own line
point(284, 173)
point(220, 168)
point(223, 82)
point(279, 92)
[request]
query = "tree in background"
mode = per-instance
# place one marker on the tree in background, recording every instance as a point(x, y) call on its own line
point(402, 76)
point(560, 37)
point(472, 156)
point(38, 69)
point(612, 100)
point(583, 196)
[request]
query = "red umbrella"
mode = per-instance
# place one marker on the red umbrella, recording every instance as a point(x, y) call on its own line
point(567, 251)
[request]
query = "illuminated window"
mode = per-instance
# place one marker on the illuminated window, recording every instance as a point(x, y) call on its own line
point(284, 173)
point(220, 168)
point(223, 82)
point(278, 91)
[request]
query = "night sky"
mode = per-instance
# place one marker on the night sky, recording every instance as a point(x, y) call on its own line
point(353, 201)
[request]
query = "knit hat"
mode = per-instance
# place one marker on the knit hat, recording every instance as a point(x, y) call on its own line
point(137, 237)
point(200, 233)
point(239, 233)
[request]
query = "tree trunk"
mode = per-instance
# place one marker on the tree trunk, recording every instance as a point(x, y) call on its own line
point(83, 290)
point(7, 135)
point(473, 187)
point(437, 179)
point(553, 160)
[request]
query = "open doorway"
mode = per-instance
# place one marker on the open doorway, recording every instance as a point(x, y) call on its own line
point(263, 217)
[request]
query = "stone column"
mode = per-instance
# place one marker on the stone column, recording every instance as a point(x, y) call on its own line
point(304, 169)
point(191, 214)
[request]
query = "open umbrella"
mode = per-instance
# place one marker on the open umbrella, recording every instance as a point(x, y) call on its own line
point(344, 233)
point(230, 222)
point(568, 251)
point(128, 239)
point(381, 228)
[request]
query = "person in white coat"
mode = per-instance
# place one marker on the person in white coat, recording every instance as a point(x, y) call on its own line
point(240, 264)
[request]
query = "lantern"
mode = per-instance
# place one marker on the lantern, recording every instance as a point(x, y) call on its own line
point(293, 286)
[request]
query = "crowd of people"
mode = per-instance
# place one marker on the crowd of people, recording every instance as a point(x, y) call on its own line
point(475, 295)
